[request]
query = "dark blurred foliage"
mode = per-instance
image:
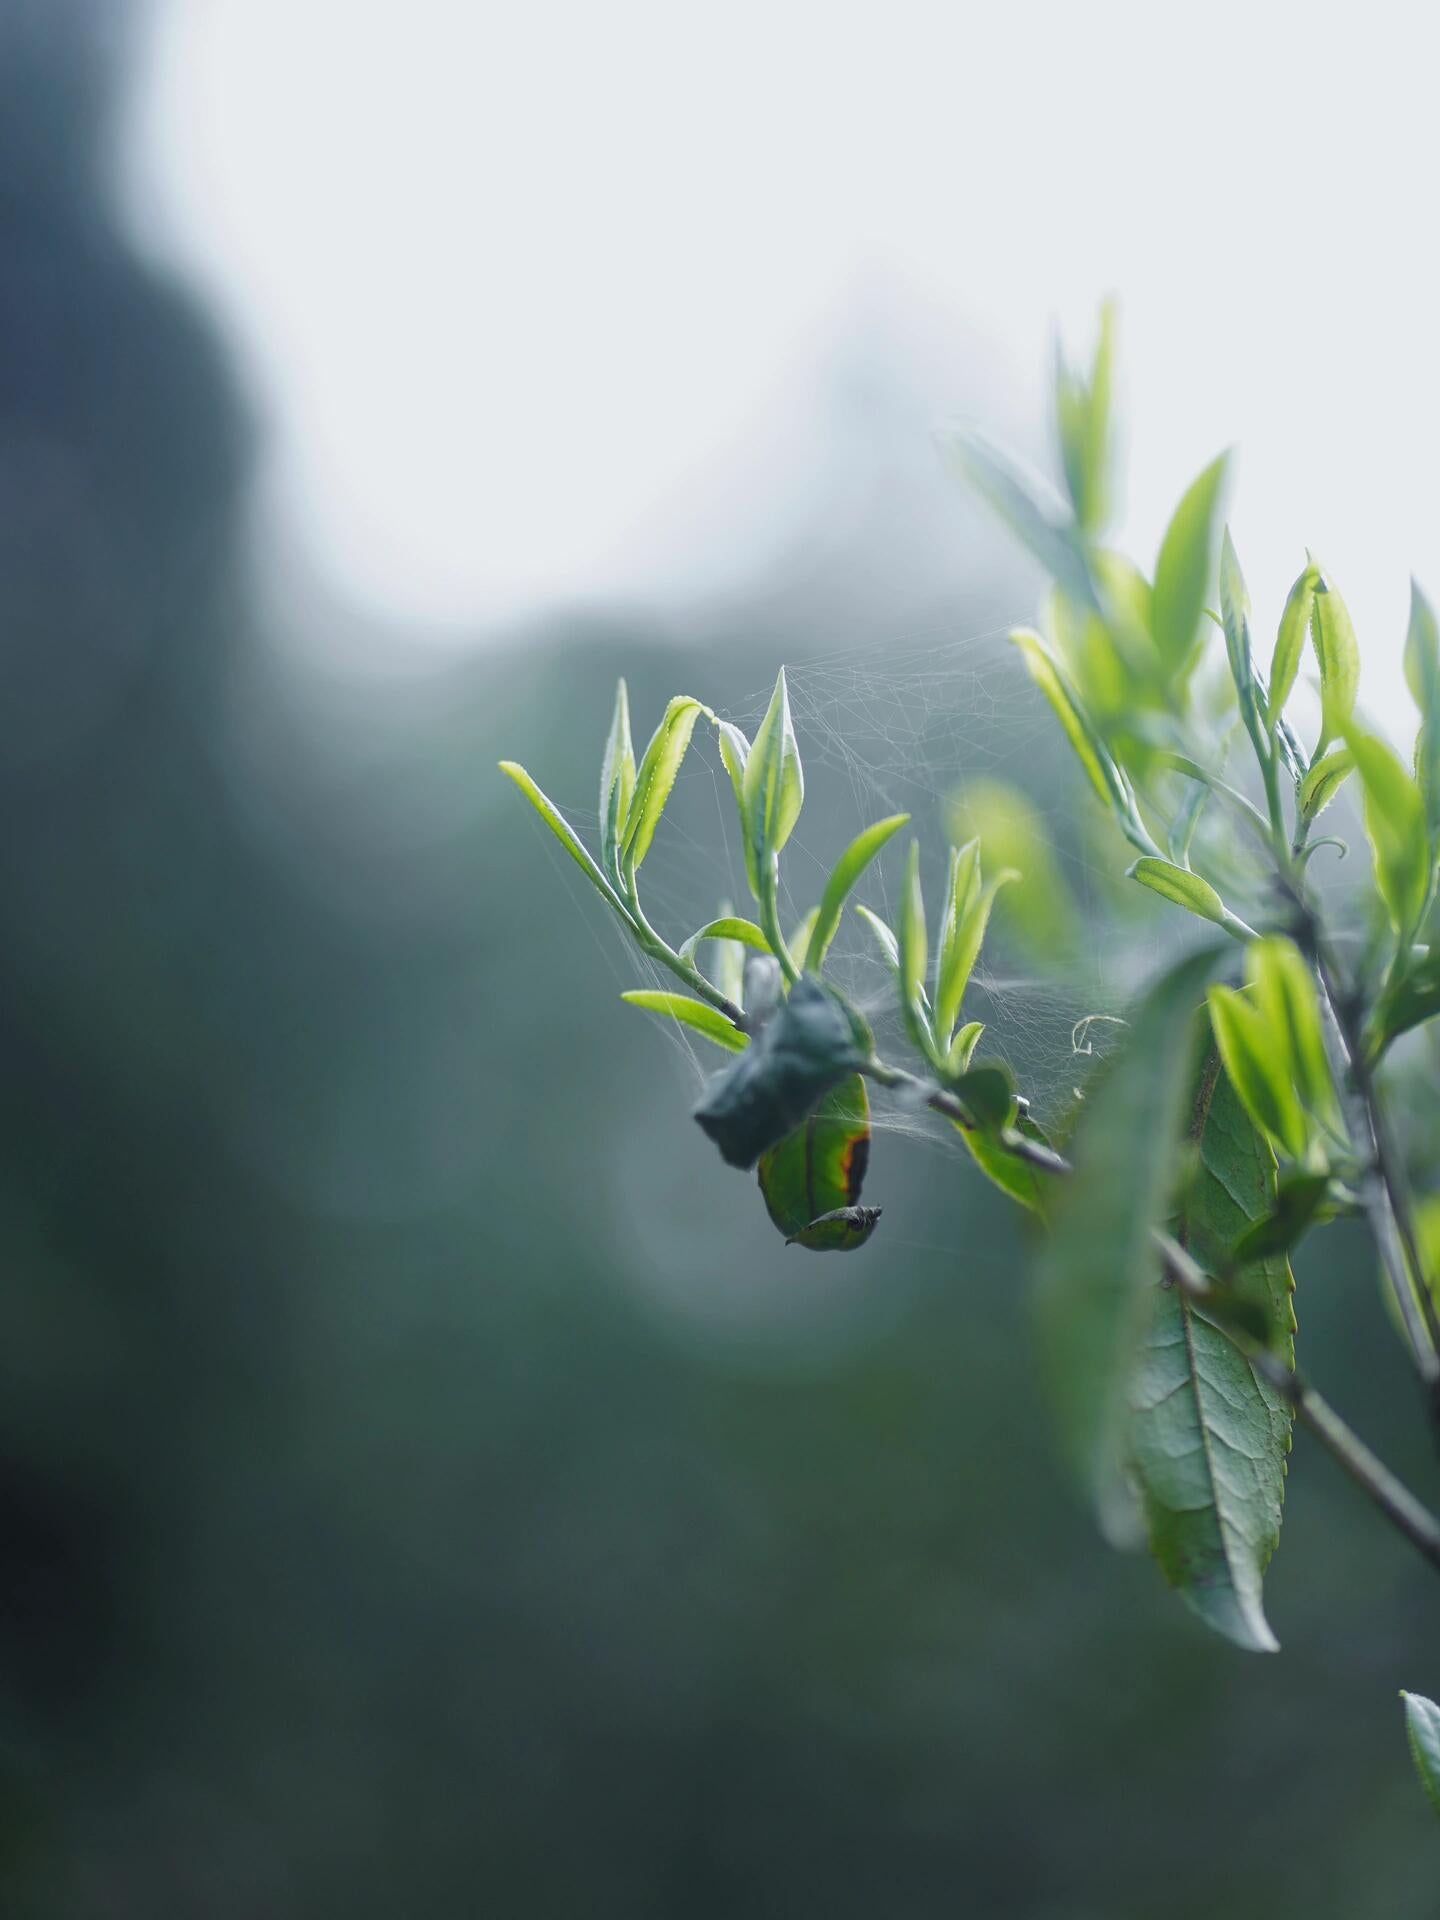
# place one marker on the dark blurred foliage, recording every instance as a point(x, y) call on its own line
point(426, 1485)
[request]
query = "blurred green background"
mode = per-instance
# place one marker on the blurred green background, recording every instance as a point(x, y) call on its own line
point(427, 1486)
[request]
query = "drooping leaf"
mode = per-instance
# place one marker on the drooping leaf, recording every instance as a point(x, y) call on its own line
point(839, 1232)
point(1337, 654)
point(1257, 1063)
point(1209, 1437)
point(1031, 510)
point(655, 779)
point(1182, 887)
point(1100, 1265)
point(1324, 780)
point(774, 780)
point(819, 1168)
point(617, 782)
point(1397, 829)
point(813, 1040)
point(848, 869)
point(1422, 1730)
point(562, 830)
point(1290, 641)
point(1183, 569)
point(727, 927)
point(690, 1013)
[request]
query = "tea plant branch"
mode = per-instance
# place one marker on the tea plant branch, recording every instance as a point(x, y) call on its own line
point(939, 1100)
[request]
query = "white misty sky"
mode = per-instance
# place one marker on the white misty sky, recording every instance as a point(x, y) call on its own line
point(533, 293)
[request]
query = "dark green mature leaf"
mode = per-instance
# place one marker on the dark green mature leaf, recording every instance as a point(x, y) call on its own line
point(820, 1167)
point(1183, 569)
point(774, 785)
point(617, 782)
point(690, 1013)
point(1299, 1198)
point(1030, 509)
point(1422, 1730)
point(1208, 1436)
point(656, 777)
point(1398, 832)
point(813, 1040)
point(848, 869)
point(1290, 641)
point(1100, 1265)
point(1337, 654)
point(1414, 999)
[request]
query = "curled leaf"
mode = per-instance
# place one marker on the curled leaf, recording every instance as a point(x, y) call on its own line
point(617, 782)
point(656, 778)
point(1324, 781)
point(774, 784)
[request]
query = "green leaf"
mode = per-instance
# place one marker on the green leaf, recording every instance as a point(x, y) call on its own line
point(1209, 1437)
point(820, 1167)
point(1290, 641)
point(563, 832)
point(1182, 887)
point(840, 1231)
point(965, 930)
point(656, 777)
point(813, 1040)
point(800, 939)
point(728, 927)
point(617, 782)
point(913, 954)
point(1183, 569)
point(848, 869)
point(1256, 1060)
point(1100, 1265)
point(884, 937)
point(1029, 508)
point(962, 1047)
point(1082, 420)
point(1285, 998)
point(1422, 672)
point(690, 1013)
point(1298, 1200)
point(1235, 619)
point(1396, 826)
point(988, 1095)
point(1414, 999)
point(1422, 1730)
point(1324, 781)
point(1094, 756)
point(1338, 657)
point(1019, 1178)
point(774, 786)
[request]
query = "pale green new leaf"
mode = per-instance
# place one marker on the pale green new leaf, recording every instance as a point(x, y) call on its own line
point(884, 935)
point(735, 753)
point(1256, 1059)
point(1082, 420)
point(962, 1047)
point(800, 939)
point(1209, 1437)
point(1100, 1264)
point(1183, 569)
point(1337, 654)
point(1324, 781)
point(727, 927)
point(1422, 672)
point(1284, 994)
point(1290, 641)
point(1029, 508)
point(1182, 887)
point(617, 782)
point(1396, 825)
point(562, 830)
point(1235, 619)
point(960, 952)
point(774, 786)
point(1422, 1730)
point(913, 955)
point(690, 1013)
point(656, 777)
point(1094, 756)
point(847, 871)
